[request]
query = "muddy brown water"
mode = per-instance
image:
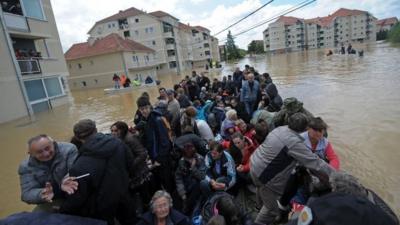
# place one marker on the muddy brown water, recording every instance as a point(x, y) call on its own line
point(359, 98)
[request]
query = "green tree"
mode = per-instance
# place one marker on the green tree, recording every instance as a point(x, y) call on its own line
point(232, 51)
point(381, 35)
point(394, 34)
point(256, 47)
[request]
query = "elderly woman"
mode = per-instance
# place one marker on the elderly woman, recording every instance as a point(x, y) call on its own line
point(228, 123)
point(162, 212)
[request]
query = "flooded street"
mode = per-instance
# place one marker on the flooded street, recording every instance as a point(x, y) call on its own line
point(359, 98)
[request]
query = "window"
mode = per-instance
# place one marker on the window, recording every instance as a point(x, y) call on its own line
point(109, 25)
point(146, 58)
point(40, 90)
point(70, 66)
point(151, 29)
point(136, 32)
point(137, 20)
point(33, 8)
point(127, 33)
point(113, 25)
point(135, 58)
point(154, 42)
point(91, 62)
point(79, 66)
point(53, 87)
point(35, 90)
point(146, 30)
point(84, 83)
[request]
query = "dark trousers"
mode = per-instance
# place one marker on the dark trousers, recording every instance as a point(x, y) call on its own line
point(164, 176)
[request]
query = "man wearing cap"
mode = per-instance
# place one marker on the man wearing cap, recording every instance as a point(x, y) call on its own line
point(42, 173)
point(274, 161)
point(103, 192)
point(157, 140)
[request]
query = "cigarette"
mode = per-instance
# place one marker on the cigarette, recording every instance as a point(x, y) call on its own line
point(82, 176)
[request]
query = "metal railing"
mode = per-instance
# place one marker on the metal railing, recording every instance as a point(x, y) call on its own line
point(29, 66)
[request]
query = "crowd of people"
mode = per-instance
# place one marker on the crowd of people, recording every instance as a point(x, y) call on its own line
point(189, 155)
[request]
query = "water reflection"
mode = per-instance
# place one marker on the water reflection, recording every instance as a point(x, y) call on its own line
point(359, 97)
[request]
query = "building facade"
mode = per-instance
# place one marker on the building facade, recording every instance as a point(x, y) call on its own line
point(386, 24)
point(33, 75)
point(178, 47)
point(92, 64)
point(343, 27)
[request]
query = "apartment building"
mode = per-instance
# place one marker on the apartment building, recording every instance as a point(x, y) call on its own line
point(386, 24)
point(33, 71)
point(344, 26)
point(92, 64)
point(176, 45)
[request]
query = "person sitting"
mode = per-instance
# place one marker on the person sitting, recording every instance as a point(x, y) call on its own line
point(162, 212)
point(223, 204)
point(41, 174)
point(221, 172)
point(191, 170)
point(228, 123)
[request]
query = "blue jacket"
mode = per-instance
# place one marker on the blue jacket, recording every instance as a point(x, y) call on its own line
point(227, 168)
point(34, 174)
point(157, 141)
point(247, 94)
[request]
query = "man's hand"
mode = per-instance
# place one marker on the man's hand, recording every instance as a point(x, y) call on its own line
point(47, 193)
point(69, 185)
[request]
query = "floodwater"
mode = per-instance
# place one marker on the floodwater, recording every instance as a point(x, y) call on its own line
point(359, 98)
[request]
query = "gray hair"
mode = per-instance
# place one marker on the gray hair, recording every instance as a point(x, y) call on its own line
point(230, 113)
point(37, 138)
point(345, 183)
point(160, 194)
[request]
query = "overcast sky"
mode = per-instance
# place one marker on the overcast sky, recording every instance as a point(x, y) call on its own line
point(75, 17)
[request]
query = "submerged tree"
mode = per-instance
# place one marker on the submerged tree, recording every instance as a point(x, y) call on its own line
point(232, 51)
point(394, 34)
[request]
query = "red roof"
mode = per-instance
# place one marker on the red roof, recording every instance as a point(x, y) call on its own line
point(120, 15)
point(387, 21)
point(289, 20)
point(202, 29)
point(160, 14)
point(347, 12)
point(322, 21)
point(183, 26)
point(109, 44)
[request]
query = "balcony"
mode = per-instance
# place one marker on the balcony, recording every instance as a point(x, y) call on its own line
point(29, 66)
point(142, 64)
point(171, 58)
point(170, 46)
point(168, 34)
point(16, 22)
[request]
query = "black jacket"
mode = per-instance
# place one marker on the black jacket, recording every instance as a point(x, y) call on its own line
point(175, 217)
point(100, 193)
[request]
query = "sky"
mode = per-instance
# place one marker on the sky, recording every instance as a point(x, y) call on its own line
point(74, 18)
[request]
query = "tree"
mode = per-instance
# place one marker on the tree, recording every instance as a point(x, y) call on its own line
point(381, 35)
point(232, 51)
point(256, 47)
point(394, 34)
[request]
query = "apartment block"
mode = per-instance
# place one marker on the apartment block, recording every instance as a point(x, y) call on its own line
point(178, 47)
point(344, 26)
point(33, 75)
point(92, 64)
point(386, 24)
